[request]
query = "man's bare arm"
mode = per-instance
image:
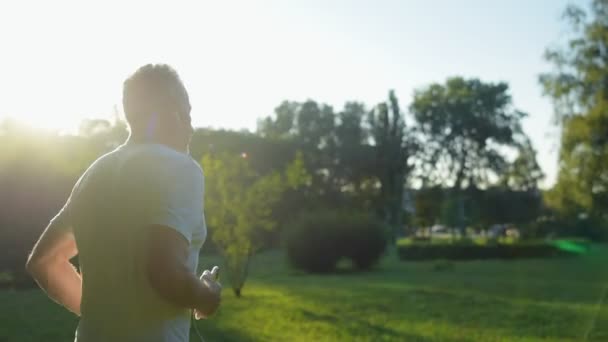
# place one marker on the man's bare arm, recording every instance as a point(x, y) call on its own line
point(49, 264)
point(167, 271)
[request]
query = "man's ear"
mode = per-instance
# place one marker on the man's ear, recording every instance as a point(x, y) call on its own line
point(180, 119)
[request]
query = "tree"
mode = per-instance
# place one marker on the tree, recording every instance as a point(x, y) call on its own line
point(524, 173)
point(266, 154)
point(335, 147)
point(428, 206)
point(308, 122)
point(466, 126)
point(578, 86)
point(354, 162)
point(239, 206)
point(311, 127)
point(37, 171)
point(283, 123)
point(394, 147)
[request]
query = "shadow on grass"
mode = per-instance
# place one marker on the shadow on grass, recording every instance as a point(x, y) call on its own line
point(377, 329)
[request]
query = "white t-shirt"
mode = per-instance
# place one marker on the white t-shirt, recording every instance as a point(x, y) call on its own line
point(116, 199)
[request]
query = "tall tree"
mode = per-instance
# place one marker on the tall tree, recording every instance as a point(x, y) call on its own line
point(335, 147)
point(308, 122)
point(524, 173)
point(428, 206)
point(354, 156)
point(578, 86)
point(466, 125)
point(283, 123)
point(394, 149)
point(311, 127)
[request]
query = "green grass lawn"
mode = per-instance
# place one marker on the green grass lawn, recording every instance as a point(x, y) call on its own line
point(521, 300)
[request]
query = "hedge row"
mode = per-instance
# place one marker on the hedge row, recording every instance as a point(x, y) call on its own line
point(419, 251)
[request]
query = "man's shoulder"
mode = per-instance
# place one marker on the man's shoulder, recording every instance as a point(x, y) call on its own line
point(160, 158)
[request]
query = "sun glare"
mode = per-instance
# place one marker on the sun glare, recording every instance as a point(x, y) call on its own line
point(238, 65)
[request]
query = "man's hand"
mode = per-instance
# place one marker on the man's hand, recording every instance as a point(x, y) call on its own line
point(214, 288)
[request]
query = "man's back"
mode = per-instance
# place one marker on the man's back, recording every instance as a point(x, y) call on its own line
point(112, 206)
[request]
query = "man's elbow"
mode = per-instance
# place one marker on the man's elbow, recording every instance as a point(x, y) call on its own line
point(36, 267)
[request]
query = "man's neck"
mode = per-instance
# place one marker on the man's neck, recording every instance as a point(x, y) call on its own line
point(138, 139)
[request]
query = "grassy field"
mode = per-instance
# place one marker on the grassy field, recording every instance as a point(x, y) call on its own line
point(533, 300)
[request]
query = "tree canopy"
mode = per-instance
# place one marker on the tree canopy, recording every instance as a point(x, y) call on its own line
point(578, 86)
point(467, 125)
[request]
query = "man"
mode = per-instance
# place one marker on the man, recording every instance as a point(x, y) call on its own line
point(135, 219)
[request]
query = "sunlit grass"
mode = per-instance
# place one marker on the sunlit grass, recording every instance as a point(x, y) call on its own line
point(518, 300)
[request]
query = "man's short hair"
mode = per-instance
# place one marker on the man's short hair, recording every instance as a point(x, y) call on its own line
point(153, 89)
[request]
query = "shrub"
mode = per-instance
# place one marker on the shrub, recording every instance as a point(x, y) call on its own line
point(593, 228)
point(363, 241)
point(462, 251)
point(310, 245)
point(316, 241)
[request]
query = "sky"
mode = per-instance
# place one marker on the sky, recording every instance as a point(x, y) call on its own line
point(64, 61)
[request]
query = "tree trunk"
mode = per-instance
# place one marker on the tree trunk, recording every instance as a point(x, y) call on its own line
point(237, 271)
point(461, 223)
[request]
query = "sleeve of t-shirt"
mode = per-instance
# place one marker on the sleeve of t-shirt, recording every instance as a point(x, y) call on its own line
point(63, 219)
point(175, 190)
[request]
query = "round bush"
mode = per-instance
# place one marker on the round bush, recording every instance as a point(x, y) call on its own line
point(365, 241)
point(316, 241)
point(310, 245)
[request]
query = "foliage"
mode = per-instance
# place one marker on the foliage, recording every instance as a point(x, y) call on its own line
point(311, 242)
point(364, 242)
point(265, 155)
point(104, 134)
point(524, 173)
point(239, 206)
point(475, 207)
point(475, 251)
point(427, 203)
point(578, 88)
point(335, 148)
point(310, 126)
point(37, 172)
point(394, 147)
point(355, 164)
point(500, 205)
point(316, 241)
point(310, 122)
point(590, 227)
point(452, 211)
point(466, 125)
